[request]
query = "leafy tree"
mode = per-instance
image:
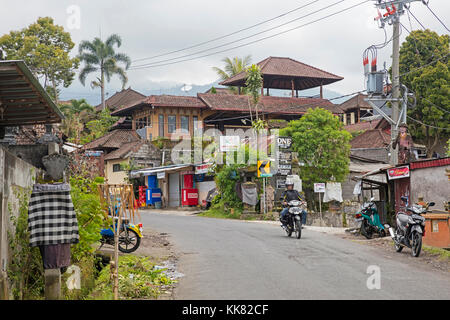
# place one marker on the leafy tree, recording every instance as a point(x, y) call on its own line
point(99, 126)
point(77, 114)
point(101, 56)
point(45, 48)
point(425, 69)
point(322, 145)
point(233, 67)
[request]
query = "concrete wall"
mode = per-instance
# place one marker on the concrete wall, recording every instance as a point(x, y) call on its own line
point(432, 184)
point(117, 177)
point(14, 174)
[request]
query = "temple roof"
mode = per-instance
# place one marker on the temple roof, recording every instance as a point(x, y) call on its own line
point(278, 73)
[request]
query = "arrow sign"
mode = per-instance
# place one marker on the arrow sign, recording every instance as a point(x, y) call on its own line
point(264, 169)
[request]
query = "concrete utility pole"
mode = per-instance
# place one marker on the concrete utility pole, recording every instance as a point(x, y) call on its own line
point(394, 8)
point(395, 86)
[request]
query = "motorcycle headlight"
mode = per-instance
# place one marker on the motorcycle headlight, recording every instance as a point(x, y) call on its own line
point(294, 210)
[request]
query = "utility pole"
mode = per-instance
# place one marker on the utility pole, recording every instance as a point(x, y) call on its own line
point(395, 86)
point(394, 9)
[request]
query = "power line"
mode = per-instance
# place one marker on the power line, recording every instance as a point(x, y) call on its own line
point(425, 65)
point(426, 4)
point(238, 40)
point(427, 125)
point(416, 18)
point(229, 34)
point(255, 41)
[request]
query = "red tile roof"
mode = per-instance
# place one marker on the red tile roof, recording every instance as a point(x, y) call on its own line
point(305, 76)
point(268, 104)
point(162, 101)
point(429, 163)
point(124, 150)
point(365, 125)
point(356, 102)
point(371, 139)
point(113, 140)
point(120, 99)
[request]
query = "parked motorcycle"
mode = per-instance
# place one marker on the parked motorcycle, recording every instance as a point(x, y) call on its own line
point(370, 220)
point(410, 228)
point(129, 236)
point(294, 218)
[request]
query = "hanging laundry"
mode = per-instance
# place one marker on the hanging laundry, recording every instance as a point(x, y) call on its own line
point(52, 223)
point(333, 191)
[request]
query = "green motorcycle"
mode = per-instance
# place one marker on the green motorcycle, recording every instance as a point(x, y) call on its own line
point(370, 220)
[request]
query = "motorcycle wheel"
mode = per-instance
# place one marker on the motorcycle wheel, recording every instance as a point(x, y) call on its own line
point(416, 244)
point(382, 233)
point(129, 241)
point(366, 231)
point(298, 230)
point(288, 230)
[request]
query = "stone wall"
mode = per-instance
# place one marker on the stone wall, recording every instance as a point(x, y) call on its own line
point(15, 174)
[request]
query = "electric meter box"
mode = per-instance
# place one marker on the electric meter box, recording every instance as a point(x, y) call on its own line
point(375, 82)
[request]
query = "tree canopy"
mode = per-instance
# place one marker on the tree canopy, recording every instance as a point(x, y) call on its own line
point(425, 69)
point(45, 48)
point(322, 145)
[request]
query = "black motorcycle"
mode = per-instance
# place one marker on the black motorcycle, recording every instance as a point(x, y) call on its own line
point(410, 228)
point(293, 219)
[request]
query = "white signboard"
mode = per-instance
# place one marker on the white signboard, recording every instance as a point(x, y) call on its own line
point(229, 143)
point(161, 175)
point(319, 187)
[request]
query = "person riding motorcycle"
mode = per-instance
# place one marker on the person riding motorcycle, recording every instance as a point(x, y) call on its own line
point(288, 195)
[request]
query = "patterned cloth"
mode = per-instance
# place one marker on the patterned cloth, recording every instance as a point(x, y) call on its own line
point(51, 216)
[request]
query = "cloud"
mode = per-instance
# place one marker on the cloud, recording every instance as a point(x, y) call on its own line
point(153, 27)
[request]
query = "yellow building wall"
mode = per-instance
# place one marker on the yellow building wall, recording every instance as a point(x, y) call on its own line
point(112, 177)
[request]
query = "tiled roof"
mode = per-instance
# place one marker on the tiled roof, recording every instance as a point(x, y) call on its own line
point(374, 138)
point(124, 150)
point(113, 140)
point(306, 76)
point(275, 105)
point(366, 125)
point(356, 102)
point(429, 163)
point(163, 101)
point(121, 98)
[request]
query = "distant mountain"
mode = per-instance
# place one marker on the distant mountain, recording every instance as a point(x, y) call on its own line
point(192, 90)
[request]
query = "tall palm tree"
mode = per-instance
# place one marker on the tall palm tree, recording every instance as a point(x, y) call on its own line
point(101, 56)
point(232, 67)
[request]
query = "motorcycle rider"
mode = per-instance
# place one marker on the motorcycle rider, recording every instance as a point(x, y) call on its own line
point(288, 195)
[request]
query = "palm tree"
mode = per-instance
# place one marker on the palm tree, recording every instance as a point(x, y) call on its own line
point(232, 67)
point(101, 56)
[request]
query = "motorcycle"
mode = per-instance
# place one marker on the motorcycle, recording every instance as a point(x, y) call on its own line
point(293, 218)
point(370, 220)
point(410, 228)
point(129, 236)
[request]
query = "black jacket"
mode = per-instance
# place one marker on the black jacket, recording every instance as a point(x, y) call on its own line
point(289, 195)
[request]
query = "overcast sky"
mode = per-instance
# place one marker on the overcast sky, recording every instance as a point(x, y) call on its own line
point(153, 27)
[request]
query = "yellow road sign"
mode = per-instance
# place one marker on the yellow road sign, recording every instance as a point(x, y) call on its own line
point(264, 168)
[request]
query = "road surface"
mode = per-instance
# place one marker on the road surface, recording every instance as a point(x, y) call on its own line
point(230, 259)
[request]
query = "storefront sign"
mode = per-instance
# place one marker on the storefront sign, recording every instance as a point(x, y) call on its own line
point(160, 175)
point(319, 187)
point(281, 183)
point(284, 157)
point(204, 168)
point(284, 142)
point(398, 173)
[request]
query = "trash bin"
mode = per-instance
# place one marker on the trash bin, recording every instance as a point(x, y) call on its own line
point(437, 230)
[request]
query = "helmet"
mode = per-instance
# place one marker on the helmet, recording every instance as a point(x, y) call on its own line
point(289, 182)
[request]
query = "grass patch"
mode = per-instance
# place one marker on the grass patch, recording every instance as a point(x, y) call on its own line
point(220, 214)
point(442, 253)
point(138, 279)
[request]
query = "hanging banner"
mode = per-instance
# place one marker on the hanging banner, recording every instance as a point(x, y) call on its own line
point(398, 173)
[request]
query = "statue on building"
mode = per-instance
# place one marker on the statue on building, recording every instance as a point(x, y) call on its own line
point(405, 143)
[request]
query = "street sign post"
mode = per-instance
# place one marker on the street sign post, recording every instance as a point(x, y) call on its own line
point(320, 188)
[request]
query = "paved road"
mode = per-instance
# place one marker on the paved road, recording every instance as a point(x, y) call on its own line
point(228, 259)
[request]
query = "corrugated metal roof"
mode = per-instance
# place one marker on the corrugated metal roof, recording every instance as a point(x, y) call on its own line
point(23, 101)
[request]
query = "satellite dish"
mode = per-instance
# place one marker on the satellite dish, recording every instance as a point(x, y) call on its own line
point(186, 88)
